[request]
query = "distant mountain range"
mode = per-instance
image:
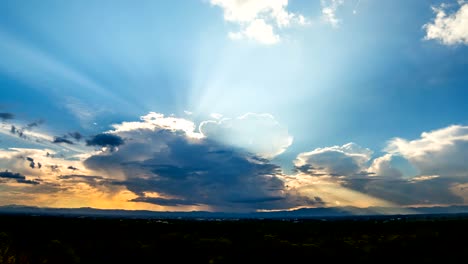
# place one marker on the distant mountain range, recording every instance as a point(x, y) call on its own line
point(313, 213)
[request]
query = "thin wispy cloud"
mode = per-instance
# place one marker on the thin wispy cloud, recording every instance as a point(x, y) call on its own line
point(329, 9)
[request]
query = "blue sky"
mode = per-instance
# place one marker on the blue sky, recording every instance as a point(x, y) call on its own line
point(339, 88)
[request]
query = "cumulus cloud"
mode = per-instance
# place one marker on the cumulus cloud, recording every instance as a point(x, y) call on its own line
point(440, 152)
point(163, 156)
point(449, 28)
point(383, 166)
point(347, 160)
point(343, 175)
point(258, 133)
point(259, 20)
point(329, 9)
point(439, 157)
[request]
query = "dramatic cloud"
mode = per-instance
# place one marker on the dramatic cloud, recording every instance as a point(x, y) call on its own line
point(6, 116)
point(346, 160)
point(450, 29)
point(258, 133)
point(163, 164)
point(259, 19)
point(441, 175)
point(329, 8)
point(342, 174)
point(167, 163)
point(441, 152)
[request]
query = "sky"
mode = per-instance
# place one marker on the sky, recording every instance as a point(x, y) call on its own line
point(233, 105)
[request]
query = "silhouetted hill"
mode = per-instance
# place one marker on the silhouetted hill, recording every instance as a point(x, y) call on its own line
point(299, 213)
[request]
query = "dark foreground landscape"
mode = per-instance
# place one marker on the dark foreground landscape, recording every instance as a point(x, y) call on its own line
point(58, 239)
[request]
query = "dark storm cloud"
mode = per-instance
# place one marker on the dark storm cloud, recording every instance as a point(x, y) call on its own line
point(105, 140)
point(196, 171)
point(6, 116)
point(17, 177)
point(58, 140)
